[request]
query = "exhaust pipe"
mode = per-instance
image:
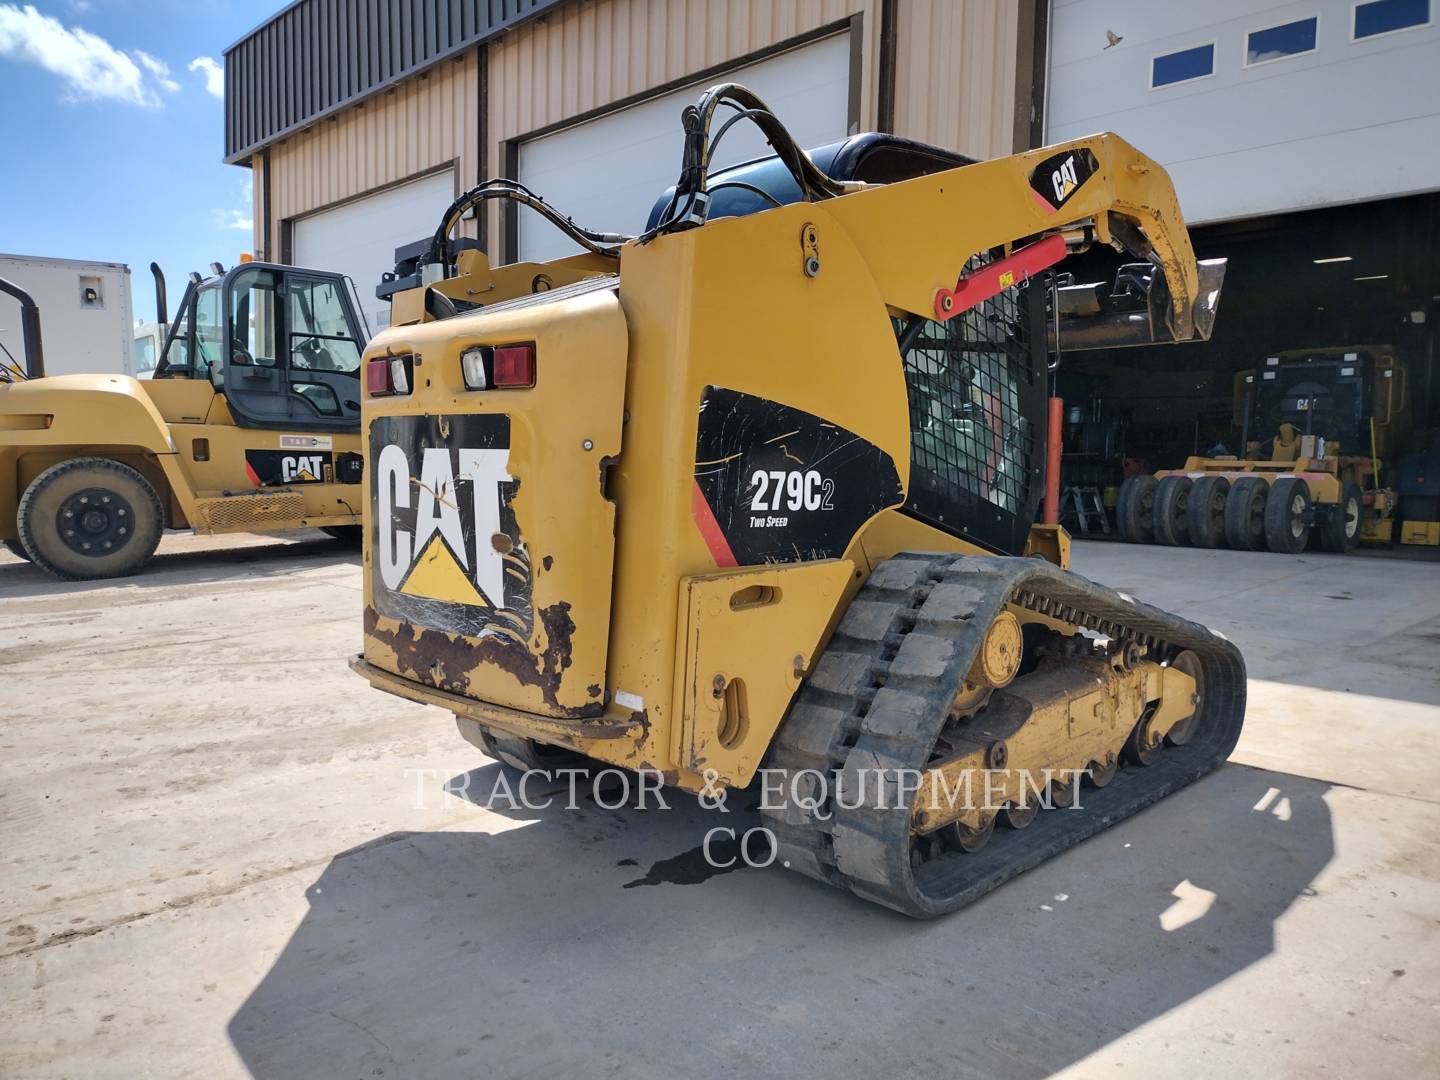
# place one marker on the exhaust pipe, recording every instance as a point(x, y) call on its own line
point(162, 309)
point(29, 329)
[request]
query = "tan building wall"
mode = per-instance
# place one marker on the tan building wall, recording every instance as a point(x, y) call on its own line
point(599, 53)
point(955, 85)
point(955, 74)
point(423, 124)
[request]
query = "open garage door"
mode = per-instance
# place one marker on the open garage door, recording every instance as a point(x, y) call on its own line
point(359, 238)
point(606, 173)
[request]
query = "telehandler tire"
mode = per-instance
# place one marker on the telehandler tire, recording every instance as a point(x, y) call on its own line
point(1206, 511)
point(16, 548)
point(90, 518)
point(1172, 511)
point(1135, 509)
point(1286, 530)
point(1245, 514)
point(1341, 531)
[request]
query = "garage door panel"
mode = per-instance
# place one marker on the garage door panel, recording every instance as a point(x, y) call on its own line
point(606, 173)
point(359, 238)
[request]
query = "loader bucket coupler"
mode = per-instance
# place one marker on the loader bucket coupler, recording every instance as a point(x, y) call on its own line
point(1134, 310)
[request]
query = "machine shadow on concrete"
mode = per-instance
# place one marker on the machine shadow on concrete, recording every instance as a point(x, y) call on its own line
point(599, 943)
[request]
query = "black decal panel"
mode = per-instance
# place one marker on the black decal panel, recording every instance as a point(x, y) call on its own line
point(1059, 176)
point(775, 484)
point(279, 468)
point(446, 551)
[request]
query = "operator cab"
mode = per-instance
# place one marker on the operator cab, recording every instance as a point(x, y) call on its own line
point(281, 343)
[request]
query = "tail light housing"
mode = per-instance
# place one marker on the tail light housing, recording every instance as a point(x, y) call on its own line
point(386, 376)
point(498, 367)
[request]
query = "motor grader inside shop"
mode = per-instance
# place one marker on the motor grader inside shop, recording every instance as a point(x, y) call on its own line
point(1320, 471)
point(758, 487)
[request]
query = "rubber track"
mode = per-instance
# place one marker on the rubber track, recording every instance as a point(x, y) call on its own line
point(880, 696)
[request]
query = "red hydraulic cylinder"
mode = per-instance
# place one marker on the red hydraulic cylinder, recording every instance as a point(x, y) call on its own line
point(1051, 512)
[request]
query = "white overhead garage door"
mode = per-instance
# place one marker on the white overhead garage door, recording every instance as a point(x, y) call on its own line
point(360, 237)
point(607, 173)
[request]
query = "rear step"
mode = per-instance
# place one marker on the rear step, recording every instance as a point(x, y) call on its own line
point(868, 849)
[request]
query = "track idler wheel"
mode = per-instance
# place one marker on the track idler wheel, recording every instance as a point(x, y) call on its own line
point(1100, 773)
point(967, 839)
point(1020, 817)
point(1189, 663)
point(1143, 744)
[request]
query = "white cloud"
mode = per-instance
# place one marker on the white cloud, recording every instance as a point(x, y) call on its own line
point(213, 72)
point(233, 219)
point(159, 69)
point(91, 68)
point(239, 220)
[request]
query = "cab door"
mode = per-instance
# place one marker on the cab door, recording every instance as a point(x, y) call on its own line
point(288, 365)
point(292, 360)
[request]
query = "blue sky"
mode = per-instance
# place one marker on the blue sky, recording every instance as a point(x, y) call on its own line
point(113, 134)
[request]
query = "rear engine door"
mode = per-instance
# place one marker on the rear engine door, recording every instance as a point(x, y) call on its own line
point(491, 541)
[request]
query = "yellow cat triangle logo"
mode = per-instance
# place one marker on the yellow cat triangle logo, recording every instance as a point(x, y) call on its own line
point(436, 575)
point(304, 474)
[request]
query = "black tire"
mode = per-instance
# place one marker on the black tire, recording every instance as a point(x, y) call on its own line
point(1245, 514)
point(1172, 511)
point(1341, 531)
point(1286, 530)
point(90, 518)
point(1206, 511)
point(346, 534)
point(1135, 510)
point(16, 548)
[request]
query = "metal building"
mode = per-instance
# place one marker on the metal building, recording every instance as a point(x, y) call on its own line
point(1303, 139)
point(362, 119)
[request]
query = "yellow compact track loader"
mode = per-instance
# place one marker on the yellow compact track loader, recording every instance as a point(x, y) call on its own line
point(754, 490)
point(249, 424)
point(1332, 418)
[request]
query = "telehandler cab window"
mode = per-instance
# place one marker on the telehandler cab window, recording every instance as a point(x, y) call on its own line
point(209, 332)
point(252, 318)
point(319, 334)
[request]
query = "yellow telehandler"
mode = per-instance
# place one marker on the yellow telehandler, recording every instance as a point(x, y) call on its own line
point(745, 499)
point(250, 423)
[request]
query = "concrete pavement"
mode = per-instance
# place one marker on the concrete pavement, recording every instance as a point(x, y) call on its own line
point(225, 855)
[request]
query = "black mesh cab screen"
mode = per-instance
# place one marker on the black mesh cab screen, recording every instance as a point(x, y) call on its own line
point(977, 388)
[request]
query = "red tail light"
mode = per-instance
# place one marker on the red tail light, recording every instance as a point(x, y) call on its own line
point(514, 366)
point(388, 375)
point(377, 377)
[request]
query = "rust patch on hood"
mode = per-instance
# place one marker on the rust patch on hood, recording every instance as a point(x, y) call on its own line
point(446, 661)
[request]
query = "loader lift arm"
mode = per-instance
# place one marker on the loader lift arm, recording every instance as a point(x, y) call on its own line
point(1106, 191)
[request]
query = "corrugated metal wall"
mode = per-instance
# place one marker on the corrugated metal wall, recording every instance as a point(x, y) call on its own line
point(316, 56)
point(955, 74)
point(425, 122)
point(586, 56)
point(955, 85)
